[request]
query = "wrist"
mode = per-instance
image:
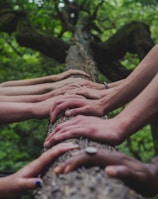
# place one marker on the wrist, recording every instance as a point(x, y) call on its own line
point(33, 110)
point(124, 127)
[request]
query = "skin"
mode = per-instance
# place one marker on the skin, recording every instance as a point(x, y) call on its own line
point(38, 97)
point(20, 111)
point(118, 95)
point(89, 93)
point(115, 130)
point(139, 176)
point(13, 186)
point(45, 79)
point(47, 87)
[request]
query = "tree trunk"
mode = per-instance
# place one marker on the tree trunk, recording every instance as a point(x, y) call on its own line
point(89, 183)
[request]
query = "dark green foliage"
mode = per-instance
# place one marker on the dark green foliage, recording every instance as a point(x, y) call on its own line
point(22, 142)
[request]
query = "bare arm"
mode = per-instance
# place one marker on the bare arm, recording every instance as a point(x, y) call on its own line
point(41, 80)
point(47, 87)
point(115, 130)
point(20, 111)
point(114, 84)
point(134, 83)
point(33, 98)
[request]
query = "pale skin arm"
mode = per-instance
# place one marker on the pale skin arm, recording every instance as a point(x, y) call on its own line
point(47, 87)
point(118, 94)
point(15, 185)
point(20, 111)
point(38, 97)
point(139, 176)
point(114, 84)
point(115, 130)
point(45, 79)
point(134, 83)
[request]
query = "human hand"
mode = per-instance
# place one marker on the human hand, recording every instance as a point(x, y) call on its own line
point(26, 179)
point(89, 93)
point(140, 177)
point(78, 105)
point(61, 91)
point(77, 81)
point(68, 73)
point(42, 109)
point(91, 127)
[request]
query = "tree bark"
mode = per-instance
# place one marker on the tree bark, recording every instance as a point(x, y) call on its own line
point(89, 183)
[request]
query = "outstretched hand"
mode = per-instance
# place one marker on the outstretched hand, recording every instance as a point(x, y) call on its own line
point(67, 73)
point(91, 127)
point(140, 177)
point(90, 93)
point(26, 179)
point(78, 105)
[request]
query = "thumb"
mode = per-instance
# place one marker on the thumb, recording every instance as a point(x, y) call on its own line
point(111, 171)
point(120, 171)
point(31, 183)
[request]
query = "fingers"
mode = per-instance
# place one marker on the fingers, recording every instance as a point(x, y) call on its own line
point(74, 72)
point(76, 111)
point(37, 166)
point(60, 105)
point(71, 164)
point(30, 184)
point(60, 136)
point(81, 158)
point(120, 171)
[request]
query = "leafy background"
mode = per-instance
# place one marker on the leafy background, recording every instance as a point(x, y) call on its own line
point(22, 142)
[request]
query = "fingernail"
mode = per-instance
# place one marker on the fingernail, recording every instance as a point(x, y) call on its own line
point(56, 137)
point(46, 144)
point(38, 183)
point(57, 170)
point(68, 113)
point(111, 171)
point(67, 169)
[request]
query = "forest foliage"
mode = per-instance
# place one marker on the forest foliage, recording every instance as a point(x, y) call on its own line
point(22, 142)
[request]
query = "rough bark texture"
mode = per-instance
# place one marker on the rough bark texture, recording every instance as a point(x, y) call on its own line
point(133, 37)
point(89, 183)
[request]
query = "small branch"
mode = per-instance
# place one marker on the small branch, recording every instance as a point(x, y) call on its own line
point(93, 17)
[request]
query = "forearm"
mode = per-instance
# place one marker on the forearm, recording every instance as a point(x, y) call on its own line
point(143, 73)
point(134, 83)
point(23, 98)
point(36, 89)
point(45, 79)
point(16, 112)
point(26, 90)
point(33, 81)
point(114, 84)
point(141, 110)
point(26, 82)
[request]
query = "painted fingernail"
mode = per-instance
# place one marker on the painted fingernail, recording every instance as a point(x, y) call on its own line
point(38, 183)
